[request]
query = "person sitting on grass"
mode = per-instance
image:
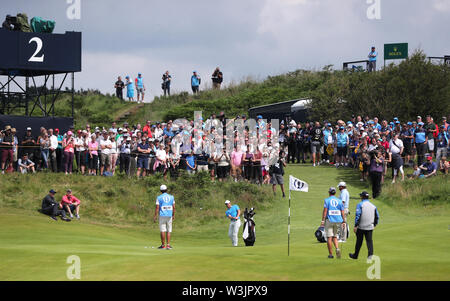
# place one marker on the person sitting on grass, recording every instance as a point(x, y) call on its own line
point(428, 168)
point(70, 204)
point(444, 165)
point(52, 208)
point(25, 165)
point(416, 173)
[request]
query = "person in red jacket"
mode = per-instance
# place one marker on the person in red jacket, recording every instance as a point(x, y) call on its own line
point(70, 203)
point(148, 128)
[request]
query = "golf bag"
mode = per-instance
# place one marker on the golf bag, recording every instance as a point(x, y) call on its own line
point(249, 227)
point(320, 234)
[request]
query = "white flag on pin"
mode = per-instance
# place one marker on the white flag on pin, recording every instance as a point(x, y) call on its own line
point(297, 185)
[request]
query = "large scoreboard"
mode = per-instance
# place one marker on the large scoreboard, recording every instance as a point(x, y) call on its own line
point(34, 54)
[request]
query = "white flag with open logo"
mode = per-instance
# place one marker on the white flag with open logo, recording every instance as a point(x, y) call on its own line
point(297, 185)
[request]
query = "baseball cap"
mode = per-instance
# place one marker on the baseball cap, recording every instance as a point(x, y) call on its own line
point(342, 184)
point(69, 190)
point(52, 191)
point(259, 117)
point(420, 123)
point(163, 187)
point(227, 202)
point(79, 131)
point(28, 129)
point(395, 118)
point(409, 123)
point(364, 194)
point(332, 190)
point(69, 133)
point(429, 158)
point(57, 130)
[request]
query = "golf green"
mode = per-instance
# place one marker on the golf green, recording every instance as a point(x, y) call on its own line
point(411, 243)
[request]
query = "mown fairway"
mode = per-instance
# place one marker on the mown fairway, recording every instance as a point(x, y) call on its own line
point(412, 243)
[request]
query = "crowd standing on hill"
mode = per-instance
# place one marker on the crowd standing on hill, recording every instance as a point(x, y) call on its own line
point(139, 87)
point(365, 144)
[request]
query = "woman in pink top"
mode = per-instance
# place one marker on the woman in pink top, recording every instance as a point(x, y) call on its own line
point(68, 146)
point(236, 160)
point(93, 156)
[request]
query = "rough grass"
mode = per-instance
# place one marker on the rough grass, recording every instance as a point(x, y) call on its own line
point(123, 200)
point(421, 193)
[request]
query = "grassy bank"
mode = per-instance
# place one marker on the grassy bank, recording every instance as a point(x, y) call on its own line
point(131, 201)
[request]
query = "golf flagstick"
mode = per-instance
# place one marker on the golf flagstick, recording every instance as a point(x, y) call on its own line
point(295, 185)
point(289, 220)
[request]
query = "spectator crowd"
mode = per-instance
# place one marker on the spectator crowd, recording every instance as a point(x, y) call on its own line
point(364, 144)
point(139, 87)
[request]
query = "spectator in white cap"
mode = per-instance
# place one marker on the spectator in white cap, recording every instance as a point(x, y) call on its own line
point(233, 214)
point(165, 207)
point(345, 198)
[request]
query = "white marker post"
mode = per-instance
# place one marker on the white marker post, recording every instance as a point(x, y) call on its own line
point(295, 185)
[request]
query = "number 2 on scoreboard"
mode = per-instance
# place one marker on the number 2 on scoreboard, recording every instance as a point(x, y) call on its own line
point(35, 58)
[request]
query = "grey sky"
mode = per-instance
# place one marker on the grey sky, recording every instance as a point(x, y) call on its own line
point(244, 37)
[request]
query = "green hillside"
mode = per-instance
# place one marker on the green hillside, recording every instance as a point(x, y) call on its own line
point(413, 87)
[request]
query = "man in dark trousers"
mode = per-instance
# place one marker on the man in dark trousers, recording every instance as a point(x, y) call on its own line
point(366, 220)
point(52, 208)
point(217, 78)
point(119, 85)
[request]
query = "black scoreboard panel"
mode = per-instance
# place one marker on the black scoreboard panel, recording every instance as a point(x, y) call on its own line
point(28, 53)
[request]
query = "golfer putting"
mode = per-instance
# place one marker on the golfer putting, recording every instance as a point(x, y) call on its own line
point(233, 213)
point(165, 207)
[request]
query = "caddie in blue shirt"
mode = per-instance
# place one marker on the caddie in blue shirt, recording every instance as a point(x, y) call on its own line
point(165, 207)
point(333, 218)
point(233, 214)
